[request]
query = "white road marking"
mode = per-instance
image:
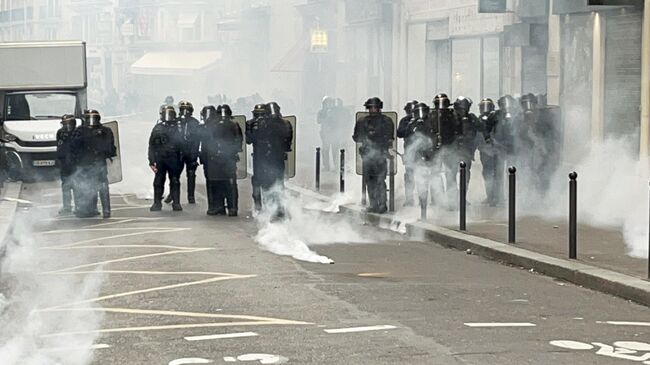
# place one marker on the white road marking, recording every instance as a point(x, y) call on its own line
point(571, 345)
point(229, 359)
point(263, 358)
point(499, 324)
point(111, 223)
point(98, 346)
point(190, 360)
point(118, 236)
point(221, 336)
point(619, 323)
point(360, 329)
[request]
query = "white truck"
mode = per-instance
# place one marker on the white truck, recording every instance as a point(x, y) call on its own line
point(39, 82)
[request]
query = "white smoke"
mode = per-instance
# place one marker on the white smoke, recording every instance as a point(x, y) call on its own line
point(303, 228)
point(26, 292)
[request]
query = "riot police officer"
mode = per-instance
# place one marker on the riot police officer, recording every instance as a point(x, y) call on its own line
point(326, 118)
point(467, 141)
point(271, 137)
point(165, 159)
point(447, 130)
point(492, 149)
point(65, 159)
point(405, 131)
point(421, 150)
point(375, 134)
point(537, 139)
point(221, 144)
point(94, 145)
point(191, 136)
point(260, 112)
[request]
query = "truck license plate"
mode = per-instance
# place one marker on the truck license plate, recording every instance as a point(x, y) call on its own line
point(41, 163)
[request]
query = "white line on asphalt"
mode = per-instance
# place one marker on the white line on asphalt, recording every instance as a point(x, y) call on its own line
point(500, 324)
point(619, 323)
point(360, 329)
point(221, 336)
point(191, 360)
point(98, 346)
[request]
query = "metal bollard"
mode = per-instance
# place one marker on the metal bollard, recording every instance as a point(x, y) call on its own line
point(342, 173)
point(573, 216)
point(512, 219)
point(317, 168)
point(463, 196)
point(391, 183)
point(649, 244)
point(364, 190)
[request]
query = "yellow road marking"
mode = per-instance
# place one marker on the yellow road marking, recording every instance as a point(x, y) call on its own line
point(119, 236)
point(148, 290)
point(147, 273)
point(178, 326)
point(129, 259)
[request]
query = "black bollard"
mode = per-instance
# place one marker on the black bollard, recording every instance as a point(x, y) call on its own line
point(512, 184)
point(649, 246)
point(391, 183)
point(342, 173)
point(463, 196)
point(364, 190)
point(573, 216)
point(317, 168)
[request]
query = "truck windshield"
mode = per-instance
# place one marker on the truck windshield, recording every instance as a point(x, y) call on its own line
point(39, 106)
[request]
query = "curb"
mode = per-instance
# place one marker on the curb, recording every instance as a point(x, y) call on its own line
point(592, 277)
point(8, 208)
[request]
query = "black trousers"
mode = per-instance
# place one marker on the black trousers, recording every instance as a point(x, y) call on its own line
point(221, 195)
point(171, 169)
point(493, 171)
point(375, 171)
point(67, 186)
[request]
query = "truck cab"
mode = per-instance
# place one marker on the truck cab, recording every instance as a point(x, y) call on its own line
point(48, 81)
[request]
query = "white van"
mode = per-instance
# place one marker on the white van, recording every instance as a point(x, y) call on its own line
point(39, 82)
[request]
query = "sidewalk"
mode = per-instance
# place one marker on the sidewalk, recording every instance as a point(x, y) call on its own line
point(542, 245)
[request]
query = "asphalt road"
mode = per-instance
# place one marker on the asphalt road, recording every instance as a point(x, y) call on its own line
point(184, 288)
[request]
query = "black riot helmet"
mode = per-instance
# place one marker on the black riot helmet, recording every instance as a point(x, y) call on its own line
point(462, 105)
point(408, 108)
point(161, 111)
point(421, 111)
point(441, 101)
point(529, 102)
point(506, 103)
point(486, 106)
point(185, 108)
point(328, 102)
point(92, 117)
point(274, 109)
point(208, 112)
point(374, 103)
point(260, 110)
point(224, 111)
point(169, 115)
point(68, 122)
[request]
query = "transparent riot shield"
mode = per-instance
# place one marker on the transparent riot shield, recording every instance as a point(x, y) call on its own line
point(393, 151)
point(290, 162)
point(115, 164)
point(242, 164)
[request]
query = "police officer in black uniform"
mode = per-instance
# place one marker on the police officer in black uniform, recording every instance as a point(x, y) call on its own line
point(447, 130)
point(94, 144)
point(165, 159)
point(260, 113)
point(467, 141)
point(327, 118)
point(190, 129)
point(421, 151)
point(66, 161)
point(376, 134)
point(492, 149)
point(272, 138)
point(405, 130)
point(221, 144)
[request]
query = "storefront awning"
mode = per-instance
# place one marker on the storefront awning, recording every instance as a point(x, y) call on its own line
point(175, 63)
